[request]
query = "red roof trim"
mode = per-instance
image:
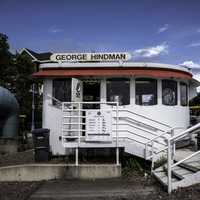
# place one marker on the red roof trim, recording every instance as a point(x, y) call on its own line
point(151, 72)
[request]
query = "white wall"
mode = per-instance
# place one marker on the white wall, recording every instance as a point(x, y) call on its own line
point(175, 116)
point(52, 119)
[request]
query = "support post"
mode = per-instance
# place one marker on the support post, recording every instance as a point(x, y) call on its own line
point(145, 152)
point(117, 155)
point(79, 123)
point(173, 145)
point(76, 156)
point(152, 153)
point(169, 172)
point(117, 134)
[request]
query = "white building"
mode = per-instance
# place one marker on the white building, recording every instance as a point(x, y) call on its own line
point(113, 104)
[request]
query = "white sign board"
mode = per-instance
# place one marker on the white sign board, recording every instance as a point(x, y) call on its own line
point(90, 57)
point(98, 126)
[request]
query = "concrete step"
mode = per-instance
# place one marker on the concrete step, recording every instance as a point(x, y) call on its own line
point(181, 177)
point(194, 167)
point(180, 172)
point(161, 175)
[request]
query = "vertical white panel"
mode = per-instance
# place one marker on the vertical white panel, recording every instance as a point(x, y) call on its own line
point(159, 91)
point(48, 91)
point(132, 91)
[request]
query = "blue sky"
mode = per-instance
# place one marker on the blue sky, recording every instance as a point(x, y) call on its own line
point(165, 31)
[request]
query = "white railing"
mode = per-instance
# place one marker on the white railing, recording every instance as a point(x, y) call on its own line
point(170, 152)
point(145, 117)
point(73, 127)
point(145, 124)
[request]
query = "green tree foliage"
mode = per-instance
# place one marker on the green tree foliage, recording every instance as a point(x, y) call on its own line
point(24, 81)
point(16, 75)
point(195, 101)
point(7, 67)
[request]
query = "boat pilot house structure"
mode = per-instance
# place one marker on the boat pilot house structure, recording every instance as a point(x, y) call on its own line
point(93, 100)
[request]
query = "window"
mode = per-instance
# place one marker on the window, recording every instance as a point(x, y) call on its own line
point(146, 91)
point(184, 94)
point(118, 89)
point(169, 92)
point(62, 90)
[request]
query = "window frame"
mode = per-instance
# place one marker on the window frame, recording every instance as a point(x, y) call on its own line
point(154, 81)
point(54, 102)
point(119, 79)
point(184, 84)
point(173, 90)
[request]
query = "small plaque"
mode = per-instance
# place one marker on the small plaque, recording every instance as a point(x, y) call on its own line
point(98, 125)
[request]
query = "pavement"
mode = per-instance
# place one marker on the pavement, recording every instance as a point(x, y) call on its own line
point(90, 189)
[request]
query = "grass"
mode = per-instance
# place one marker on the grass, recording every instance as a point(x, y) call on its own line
point(134, 164)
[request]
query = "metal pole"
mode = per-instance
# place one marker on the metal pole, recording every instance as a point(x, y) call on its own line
point(33, 107)
point(145, 153)
point(117, 135)
point(76, 156)
point(169, 172)
point(152, 153)
point(79, 123)
point(173, 146)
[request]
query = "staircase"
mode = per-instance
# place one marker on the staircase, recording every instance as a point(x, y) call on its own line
point(143, 135)
point(183, 175)
point(183, 166)
point(138, 135)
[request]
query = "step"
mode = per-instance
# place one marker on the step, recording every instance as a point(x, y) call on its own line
point(191, 166)
point(181, 177)
point(161, 175)
point(180, 172)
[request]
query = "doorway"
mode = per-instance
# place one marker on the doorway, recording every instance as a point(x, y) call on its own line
point(91, 92)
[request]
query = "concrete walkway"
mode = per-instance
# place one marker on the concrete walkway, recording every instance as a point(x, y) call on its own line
point(82, 189)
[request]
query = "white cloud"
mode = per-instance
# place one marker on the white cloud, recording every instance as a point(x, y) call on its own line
point(151, 52)
point(164, 28)
point(195, 44)
point(190, 64)
point(55, 30)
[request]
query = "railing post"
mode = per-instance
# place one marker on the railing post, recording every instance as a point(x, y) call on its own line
point(173, 145)
point(76, 156)
point(169, 172)
point(117, 134)
point(146, 146)
point(152, 153)
point(79, 123)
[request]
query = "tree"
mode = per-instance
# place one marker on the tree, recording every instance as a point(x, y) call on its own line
point(16, 75)
point(7, 67)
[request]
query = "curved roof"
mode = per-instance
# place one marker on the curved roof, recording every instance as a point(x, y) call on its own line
point(156, 70)
point(113, 65)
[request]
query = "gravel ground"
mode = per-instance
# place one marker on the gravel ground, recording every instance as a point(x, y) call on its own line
point(17, 190)
point(17, 158)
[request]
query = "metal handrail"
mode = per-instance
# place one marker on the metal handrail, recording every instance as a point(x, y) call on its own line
point(53, 98)
point(142, 129)
point(187, 158)
point(185, 133)
point(143, 123)
point(157, 152)
point(166, 125)
point(171, 141)
point(146, 138)
point(152, 143)
point(158, 136)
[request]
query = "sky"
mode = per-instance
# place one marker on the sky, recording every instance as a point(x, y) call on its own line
point(166, 31)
